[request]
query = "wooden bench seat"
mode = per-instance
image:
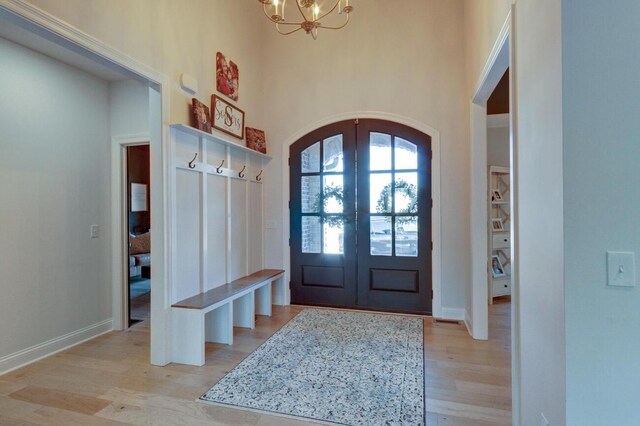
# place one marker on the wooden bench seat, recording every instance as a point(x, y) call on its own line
point(211, 316)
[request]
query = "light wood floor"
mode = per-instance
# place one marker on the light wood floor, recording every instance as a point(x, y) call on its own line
point(109, 380)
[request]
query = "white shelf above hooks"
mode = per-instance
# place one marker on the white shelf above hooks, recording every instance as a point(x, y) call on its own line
point(214, 138)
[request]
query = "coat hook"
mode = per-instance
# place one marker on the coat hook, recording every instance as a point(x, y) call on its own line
point(219, 168)
point(241, 174)
point(259, 177)
point(191, 165)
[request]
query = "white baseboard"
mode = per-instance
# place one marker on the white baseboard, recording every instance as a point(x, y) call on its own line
point(453, 314)
point(468, 323)
point(35, 353)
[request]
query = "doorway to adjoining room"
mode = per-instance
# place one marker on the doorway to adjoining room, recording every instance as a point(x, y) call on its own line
point(139, 232)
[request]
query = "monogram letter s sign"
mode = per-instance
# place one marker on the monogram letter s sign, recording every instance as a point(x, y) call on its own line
point(226, 117)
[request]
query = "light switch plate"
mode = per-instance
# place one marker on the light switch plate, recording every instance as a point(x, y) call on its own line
point(621, 269)
point(95, 231)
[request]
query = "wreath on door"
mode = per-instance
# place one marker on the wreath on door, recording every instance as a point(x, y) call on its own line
point(330, 192)
point(409, 190)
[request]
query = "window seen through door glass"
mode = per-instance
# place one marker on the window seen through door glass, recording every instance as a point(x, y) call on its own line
point(311, 234)
point(310, 196)
point(333, 154)
point(310, 159)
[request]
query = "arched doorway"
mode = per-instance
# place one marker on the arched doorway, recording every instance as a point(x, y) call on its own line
point(360, 194)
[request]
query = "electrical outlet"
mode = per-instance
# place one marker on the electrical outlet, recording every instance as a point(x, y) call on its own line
point(543, 420)
point(95, 231)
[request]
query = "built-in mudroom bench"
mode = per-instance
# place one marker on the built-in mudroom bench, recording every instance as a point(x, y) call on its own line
point(219, 280)
point(211, 316)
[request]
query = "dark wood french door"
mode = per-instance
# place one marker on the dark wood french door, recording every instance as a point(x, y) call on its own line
point(361, 217)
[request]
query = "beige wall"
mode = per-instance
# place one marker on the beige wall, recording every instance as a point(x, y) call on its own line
point(415, 70)
point(173, 37)
point(483, 21)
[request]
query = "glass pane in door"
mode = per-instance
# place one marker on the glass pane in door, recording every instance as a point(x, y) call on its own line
point(407, 236)
point(379, 151)
point(310, 159)
point(311, 234)
point(333, 154)
point(333, 194)
point(310, 194)
point(406, 154)
point(406, 192)
point(380, 236)
point(380, 192)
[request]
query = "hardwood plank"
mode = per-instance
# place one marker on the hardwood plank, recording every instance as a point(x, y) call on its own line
point(467, 382)
point(59, 399)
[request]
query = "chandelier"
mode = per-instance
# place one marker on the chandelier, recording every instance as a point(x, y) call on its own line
point(307, 14)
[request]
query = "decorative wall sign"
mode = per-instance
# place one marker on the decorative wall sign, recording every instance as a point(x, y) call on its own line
point(227, 77)
point(226, 117)
point(256, 140)
point(201, 116)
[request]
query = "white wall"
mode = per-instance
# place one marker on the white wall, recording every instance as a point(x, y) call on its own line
point(129, 106)
point(415, 70)
point(540, 210)
point(601, 103)
point(54, 184)
point(498, 146)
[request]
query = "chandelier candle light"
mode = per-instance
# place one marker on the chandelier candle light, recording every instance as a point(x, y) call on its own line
point(310, 13)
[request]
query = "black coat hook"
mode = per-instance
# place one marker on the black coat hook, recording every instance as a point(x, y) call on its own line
point(259, 177)
point(219, 168)
point(191, 165)
point(241, 174)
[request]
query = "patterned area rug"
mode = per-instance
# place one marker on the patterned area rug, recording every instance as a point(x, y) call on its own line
point(335, 367)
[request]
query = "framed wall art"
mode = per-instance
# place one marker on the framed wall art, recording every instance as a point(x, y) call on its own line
point(497, 224)
point(227, 77)
point(201, 116)
point(497, 270)
point(226, 117)
point(256, 140)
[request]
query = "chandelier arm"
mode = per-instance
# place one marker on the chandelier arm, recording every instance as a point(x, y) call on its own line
point(337, 28)
point(304, 17)
point(264, 9)
point(287, 33)
point(287, 23)
point(326, 14)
